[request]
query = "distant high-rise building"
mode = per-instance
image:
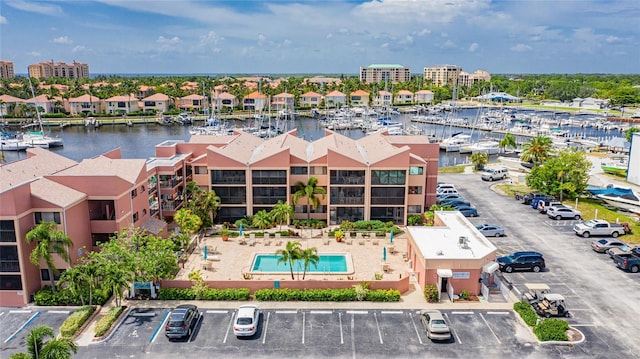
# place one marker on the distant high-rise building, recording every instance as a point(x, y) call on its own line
point(467, 79)
point(441, 75)
point(6, 69)
point(48, 69)
point(385, 73)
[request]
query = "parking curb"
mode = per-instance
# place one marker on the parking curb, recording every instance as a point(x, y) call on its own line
point(114, 328)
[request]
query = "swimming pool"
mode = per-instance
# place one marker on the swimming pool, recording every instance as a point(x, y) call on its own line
point(332, 263)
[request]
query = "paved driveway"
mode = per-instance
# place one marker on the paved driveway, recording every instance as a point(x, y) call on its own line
point(602, 298)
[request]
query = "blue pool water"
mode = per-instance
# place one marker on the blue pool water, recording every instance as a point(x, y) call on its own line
point(329, 263)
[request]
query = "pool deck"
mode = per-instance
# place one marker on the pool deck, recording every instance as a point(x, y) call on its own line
point(228, 260)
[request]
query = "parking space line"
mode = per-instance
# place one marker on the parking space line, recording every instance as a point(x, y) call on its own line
point(357, 312)
point(303, 322)
point(375, 315)
point(143, 314)
point(455, 332)
point(59, 311)
point(488, 326)
point(19, 311)
point(498, 313)
point(461, 312)
point(341, 332)
point(320, 312)
point(584, 325)
point(226, 335)
point(217, 311)
point(200, 319)
point(391, 312)
point(286, 311)
point(157, 331)
point(1, 314)
point(266, 325)
point(26, 324)
point(416, 328)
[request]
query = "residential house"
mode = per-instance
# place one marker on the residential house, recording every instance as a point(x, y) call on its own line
point(424, 96)
point(383, 99)
point(359, 98)
point(310, 99)
point(254, 101)
point(145, 91)
point(283, 101)
point(403, 96)
point(193, 103)
point(335, 99)
point(225, 100)
point(9, 104)
point(85, 104)
point(121, 105)
point(158, 102)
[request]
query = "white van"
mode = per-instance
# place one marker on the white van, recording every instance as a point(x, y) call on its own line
point(446, 191)
point(443, 186)
point(493, 174)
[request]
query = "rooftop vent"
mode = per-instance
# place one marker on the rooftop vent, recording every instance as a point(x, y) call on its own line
point(463, 242)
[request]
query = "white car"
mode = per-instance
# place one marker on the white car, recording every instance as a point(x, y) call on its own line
point(246, 323)
point(563, 212)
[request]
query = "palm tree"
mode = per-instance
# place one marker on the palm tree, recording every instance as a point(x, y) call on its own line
point(310, 192)
point(537, 150)
point(509, 140)
point(309, 256)
point(282, 212)
point(479, 159)
point(262, 220)
point(290, 254)
point(75, 279)
point(48, 240)
point(39, 347)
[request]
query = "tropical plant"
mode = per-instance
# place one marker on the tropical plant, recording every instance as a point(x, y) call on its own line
point(309, 256)
point(282, 212)
point(537, 150)
point(42, 343)
point(202, 203)
point(289, 254)
point(262, 220)
point(508, 141)
point(48, 240)
point(479, 160)
point(628, 133)
point(310, 191)
point(566, 174)
point(189, 222)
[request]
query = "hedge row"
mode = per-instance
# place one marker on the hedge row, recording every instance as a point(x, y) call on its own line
point(208, 294)
point(76, 320)
point(325, 295)
point(105, 323)
point(64, 296)
point(547, 329)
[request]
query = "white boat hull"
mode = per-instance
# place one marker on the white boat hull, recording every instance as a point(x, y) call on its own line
point(629, 205)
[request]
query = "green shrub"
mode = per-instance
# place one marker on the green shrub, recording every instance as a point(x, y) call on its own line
point(105, 323)
point(551, 329)
point(324, 295)
point(383, 295)
point(206, 294)
point(64, 296)
point(76, 320)
point(431, 293)
point(526, 313)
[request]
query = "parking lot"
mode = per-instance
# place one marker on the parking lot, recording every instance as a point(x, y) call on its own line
point(322, 333)
point(601, 298)
point(15, 324)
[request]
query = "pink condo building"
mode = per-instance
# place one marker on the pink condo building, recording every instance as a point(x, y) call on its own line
point(89, 201)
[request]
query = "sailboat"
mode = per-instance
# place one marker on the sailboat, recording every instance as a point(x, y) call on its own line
point(39, 138)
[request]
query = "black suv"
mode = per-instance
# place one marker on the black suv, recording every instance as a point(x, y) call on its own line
point(533, 261)
point(181, 322)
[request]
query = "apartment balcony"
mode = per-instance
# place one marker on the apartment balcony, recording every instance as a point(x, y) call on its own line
point(153, 187)
point(172, 205)
point(347, 200)
point(171, 183)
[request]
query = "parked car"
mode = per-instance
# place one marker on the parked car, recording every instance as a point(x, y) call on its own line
point(598, 227)
point(563, 212)
point(435, 325)
point(536, 200)
point(467, 211)
point(493, 174)
point(533, 261)
point(545, 204)
point(490, 230)
point(626, 249)
point(630, 263)
point(604, 244)
point(182, 321)
point(446, 191)
point(447, 197)
point(527, 198)
point(246, 323)
point(455, 203)
point(445, 185)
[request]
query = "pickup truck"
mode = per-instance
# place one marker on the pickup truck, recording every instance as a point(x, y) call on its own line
point(598, 227)
point(627, 262)
point(626, 249)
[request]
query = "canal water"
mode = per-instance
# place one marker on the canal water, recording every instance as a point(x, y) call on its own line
point(139, 141)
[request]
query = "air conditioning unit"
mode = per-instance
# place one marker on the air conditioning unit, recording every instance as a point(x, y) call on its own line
point(462, 240)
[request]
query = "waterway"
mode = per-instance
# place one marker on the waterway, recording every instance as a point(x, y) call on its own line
point(139, 141)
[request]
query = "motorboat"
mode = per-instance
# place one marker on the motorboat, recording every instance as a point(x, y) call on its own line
point(615, 165)
point(13, 144)
point(39, 139)
point(619, 197)
point(489, 147)
point(454, 143)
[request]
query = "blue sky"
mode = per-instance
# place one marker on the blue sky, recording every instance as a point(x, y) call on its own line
point(323, 36)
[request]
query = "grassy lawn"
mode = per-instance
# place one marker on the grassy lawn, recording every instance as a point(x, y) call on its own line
point(452, 169)
point(588, 208)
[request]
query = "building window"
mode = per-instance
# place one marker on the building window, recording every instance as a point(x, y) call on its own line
point(269, 195)
point(231, 195)
point(144, 212)
point(415, 189)
point(414, 209)
point(228, 176)
point(319, 170)
point(134, 193)
point(200, 170)
point(47, 217)
point(9, 261)
point(299, 170)
point(97, 238)
point(7, 232)
point(102, 210)
point(346, 177)
point(415, 170)
point(387, 195)
point(391, 177)
point(142, 189)
point(135, 217)
point(269, 177)
point(10, 282)
point(44, 274)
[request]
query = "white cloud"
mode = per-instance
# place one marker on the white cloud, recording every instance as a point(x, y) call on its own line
point(448, 45)
point(168, 41)
point(287, 42)
point(34, 54)
point(211, 38)
point(473, 47)
point(39, 7)
point(422, 32)
point(62, 40)
point(262, 40)
point(78, 48)
point(3, 20)
point(612, 39)
point(521, 48)
point(329, 36)
point(385, 45)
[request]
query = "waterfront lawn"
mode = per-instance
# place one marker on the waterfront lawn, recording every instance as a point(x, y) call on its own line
point(588, 208)
point(452, 169)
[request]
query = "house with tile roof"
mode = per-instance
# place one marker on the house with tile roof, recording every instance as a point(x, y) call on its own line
point(359, 98)
point(225, 100)
point(255, 101)
point(424, 96)
point(310, 99)
point(121, 104)
point(85, 104)
point(403, 96)
point(8, 104)
point(192, 103)
point(335, 99)
point(158, 103)
point(283, 101)
point(383, 99)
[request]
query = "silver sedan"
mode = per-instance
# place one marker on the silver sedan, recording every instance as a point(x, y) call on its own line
point(491, 230)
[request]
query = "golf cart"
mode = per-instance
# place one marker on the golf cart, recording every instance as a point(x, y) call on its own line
point(535, 292)
point(551, 305)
